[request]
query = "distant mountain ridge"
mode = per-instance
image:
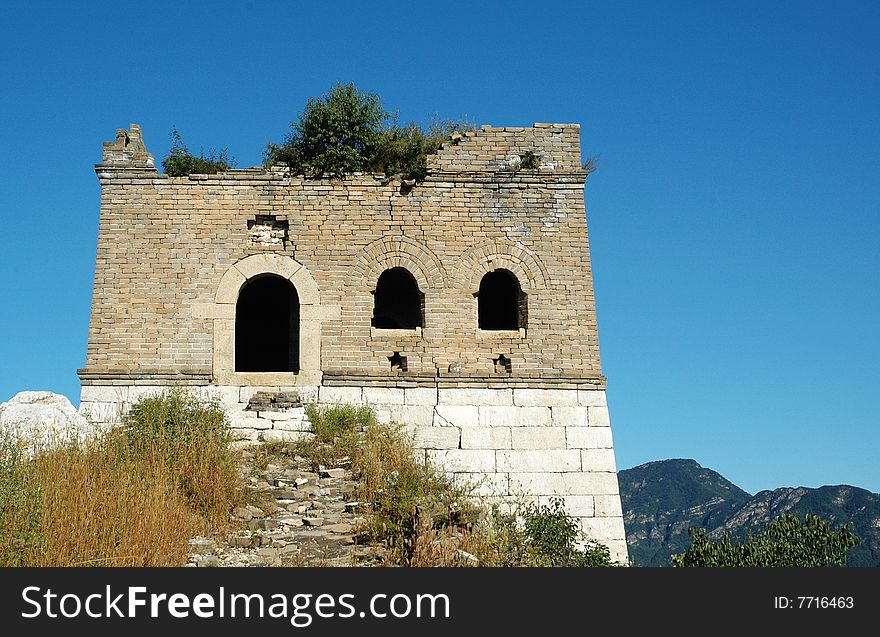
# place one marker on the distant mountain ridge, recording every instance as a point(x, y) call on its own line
point(663, 499)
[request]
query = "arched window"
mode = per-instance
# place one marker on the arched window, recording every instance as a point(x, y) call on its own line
point(501, 303)
point(267, 326)
point(397, 301)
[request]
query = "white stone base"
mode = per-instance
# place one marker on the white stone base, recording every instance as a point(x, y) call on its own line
point(532, 444)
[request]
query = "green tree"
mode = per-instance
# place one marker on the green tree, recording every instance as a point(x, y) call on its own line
point(347, 130)
point(787, 541)
point(338, 133)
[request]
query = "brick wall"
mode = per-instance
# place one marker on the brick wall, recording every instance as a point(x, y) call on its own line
point(165, 243)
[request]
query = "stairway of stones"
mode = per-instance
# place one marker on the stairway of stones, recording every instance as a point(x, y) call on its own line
point(298, 517)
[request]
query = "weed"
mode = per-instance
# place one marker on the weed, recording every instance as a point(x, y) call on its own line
point(181, 162)
point(20, 506)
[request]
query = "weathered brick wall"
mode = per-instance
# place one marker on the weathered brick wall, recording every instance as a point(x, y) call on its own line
point(165, 243)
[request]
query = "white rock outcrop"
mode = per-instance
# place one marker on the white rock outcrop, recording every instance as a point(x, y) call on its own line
point(43, 420)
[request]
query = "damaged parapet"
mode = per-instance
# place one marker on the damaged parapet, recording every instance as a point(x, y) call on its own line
point(128, 150)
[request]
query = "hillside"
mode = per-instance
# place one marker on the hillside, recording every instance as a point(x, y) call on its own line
point(663, 499)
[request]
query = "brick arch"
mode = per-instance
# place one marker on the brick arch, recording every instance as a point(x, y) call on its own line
point(397, 252)
point(279, 265)
point(312, 315)
point(486, 257)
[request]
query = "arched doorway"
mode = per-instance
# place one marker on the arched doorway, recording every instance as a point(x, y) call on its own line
point(267, 318)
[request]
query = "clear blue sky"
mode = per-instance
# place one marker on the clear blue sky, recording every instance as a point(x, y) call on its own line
point(733, 220)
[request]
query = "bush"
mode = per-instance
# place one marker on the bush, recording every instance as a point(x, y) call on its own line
point(404, 150)
point(347, 131)
point(181, 162)
point(408, 496)
point(404, 491)
point(192, 439)
point(787, 541)
point(336, 134)
point(552, 536)
point(529, 161)
point(336, 433)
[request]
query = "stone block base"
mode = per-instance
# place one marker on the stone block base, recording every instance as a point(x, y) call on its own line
point(532, 444)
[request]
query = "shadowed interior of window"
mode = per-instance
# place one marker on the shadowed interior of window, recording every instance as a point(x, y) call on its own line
point(397, 302)
point(500, 302)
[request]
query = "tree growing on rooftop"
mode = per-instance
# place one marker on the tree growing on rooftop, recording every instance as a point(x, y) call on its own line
point(337, 133)
point(347, 130)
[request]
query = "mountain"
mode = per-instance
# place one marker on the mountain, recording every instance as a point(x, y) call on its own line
point(662, 500)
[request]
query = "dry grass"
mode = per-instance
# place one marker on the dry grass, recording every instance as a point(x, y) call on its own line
point(133, 497)
point(193, 439)
point(101, 507)
point(20, 506)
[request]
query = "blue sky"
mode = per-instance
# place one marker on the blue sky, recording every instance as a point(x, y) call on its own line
point(733, 220)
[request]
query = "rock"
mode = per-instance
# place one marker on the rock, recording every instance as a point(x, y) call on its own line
point(43, 420)
point(201, 546)
point(242, 513)
point(272, 507)
point(209, 561)
point(341, 528)
point(268, 553)
point(287, 492)
point(294, 522)
point(332, 473)
point(467, 557)
point(262, 524)
point(313, 521)
point(242, 541)
point(312, 533)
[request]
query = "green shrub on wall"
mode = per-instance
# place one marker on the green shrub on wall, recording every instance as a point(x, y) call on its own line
point(347, 130)
point(181, 162)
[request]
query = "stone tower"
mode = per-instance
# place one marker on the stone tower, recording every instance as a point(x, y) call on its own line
point(461, 306)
